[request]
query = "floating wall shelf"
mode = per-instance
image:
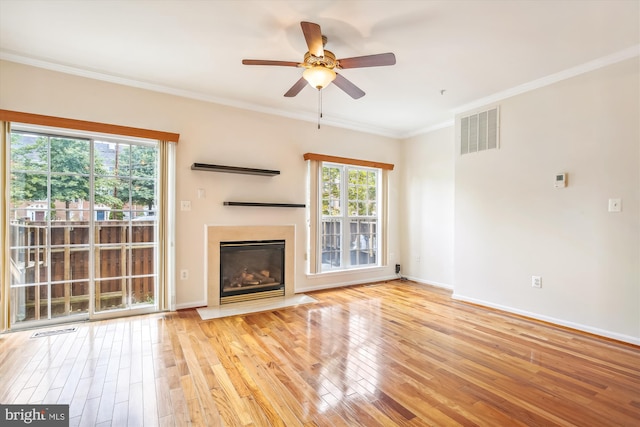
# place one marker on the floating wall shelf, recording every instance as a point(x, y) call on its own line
point(233, 169)
point(267, 205)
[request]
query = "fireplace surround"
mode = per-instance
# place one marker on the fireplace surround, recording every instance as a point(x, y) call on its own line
point(217, 235)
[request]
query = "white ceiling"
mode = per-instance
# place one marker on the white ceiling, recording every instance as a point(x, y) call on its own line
point(476, 51)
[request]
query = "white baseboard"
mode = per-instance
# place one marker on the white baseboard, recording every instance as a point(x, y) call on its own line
point(577, 326)
point(343, 284)
point(194, 304)
point(430, 282)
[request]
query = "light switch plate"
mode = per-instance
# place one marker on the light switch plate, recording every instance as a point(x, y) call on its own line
point(615, 205)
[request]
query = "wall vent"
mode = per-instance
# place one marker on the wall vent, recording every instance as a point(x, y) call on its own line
point(54, 332)
point(479, 131)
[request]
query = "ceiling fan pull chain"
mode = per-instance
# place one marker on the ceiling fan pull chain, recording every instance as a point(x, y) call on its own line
point(319, 106)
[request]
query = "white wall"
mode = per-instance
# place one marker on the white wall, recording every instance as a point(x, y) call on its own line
point(216, 134)
point(510, 222)
point(427, 205)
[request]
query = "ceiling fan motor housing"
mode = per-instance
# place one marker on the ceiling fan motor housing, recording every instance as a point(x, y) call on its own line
point(328, 60)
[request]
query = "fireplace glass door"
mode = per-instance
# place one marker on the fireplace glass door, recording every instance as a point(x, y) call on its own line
point(251, 269)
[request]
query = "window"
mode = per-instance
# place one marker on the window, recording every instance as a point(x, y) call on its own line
point(85, 219)
point(82, 227)
point(349, 224)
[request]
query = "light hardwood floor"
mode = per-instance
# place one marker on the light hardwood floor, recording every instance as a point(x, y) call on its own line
point(397, 353)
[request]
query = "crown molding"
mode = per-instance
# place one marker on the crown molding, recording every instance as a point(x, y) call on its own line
point(614, 58)
point(625, 54)
point(95, 75)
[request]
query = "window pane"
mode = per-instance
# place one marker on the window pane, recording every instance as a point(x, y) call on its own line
point(70, 155)
point(144, 161)
point(143, 229)
point(372, 209)
point(112, 232)
point(58, 299)
point(29, 152)
point(142, 261)
point(69, 192)
point(371, 178)
point(30, 265)
point(122, 153)
point(111, 294)
point(64, 234)
point(114, 193)
point(108, 158)
point(29, 194)
point(29, 303)
point(112, 262)
point(143, 194)
point(143, 290)
point(79, 260)
point(331, 251)
point(69, 264)
point(363, 242)
point(106, 195)
point(79, 297)
point(331, 191)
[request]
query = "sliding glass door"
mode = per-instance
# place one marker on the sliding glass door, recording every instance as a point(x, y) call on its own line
point(82, 226)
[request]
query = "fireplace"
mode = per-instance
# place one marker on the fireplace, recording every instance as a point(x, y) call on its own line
point(217, 235)
point(251, 269)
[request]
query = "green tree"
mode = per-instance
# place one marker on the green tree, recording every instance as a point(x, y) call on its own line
point(28, 172)
point(70, 169)
point(331, 191)
point(362, 192)
point(140, 163)
point(65, 160)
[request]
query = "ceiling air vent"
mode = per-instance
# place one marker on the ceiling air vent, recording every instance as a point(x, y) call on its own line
point(479, 131)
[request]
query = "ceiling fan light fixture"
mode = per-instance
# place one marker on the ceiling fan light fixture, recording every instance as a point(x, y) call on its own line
point(319, 76)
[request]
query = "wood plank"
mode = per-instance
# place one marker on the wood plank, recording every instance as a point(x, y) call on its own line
point(389, 354)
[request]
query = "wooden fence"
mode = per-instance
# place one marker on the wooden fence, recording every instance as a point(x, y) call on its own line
point(122, 260)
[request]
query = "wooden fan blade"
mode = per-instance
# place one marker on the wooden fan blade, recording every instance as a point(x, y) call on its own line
point(352, 90)
point(266, 62)
point(378, 60)
point(313, 36)
point(296, 88)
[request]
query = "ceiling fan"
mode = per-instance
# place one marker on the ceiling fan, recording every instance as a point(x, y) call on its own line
point(320, 64)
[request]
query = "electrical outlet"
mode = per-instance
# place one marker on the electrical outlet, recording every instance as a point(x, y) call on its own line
point(184, 274)
point(536, 281)
point(397, 268)
point(185, 205)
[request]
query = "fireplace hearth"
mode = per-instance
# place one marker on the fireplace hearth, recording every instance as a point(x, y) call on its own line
point(251, 270)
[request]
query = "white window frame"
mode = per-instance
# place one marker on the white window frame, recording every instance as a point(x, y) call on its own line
point(345, 219)
point(93, 138)
point(168, 142)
